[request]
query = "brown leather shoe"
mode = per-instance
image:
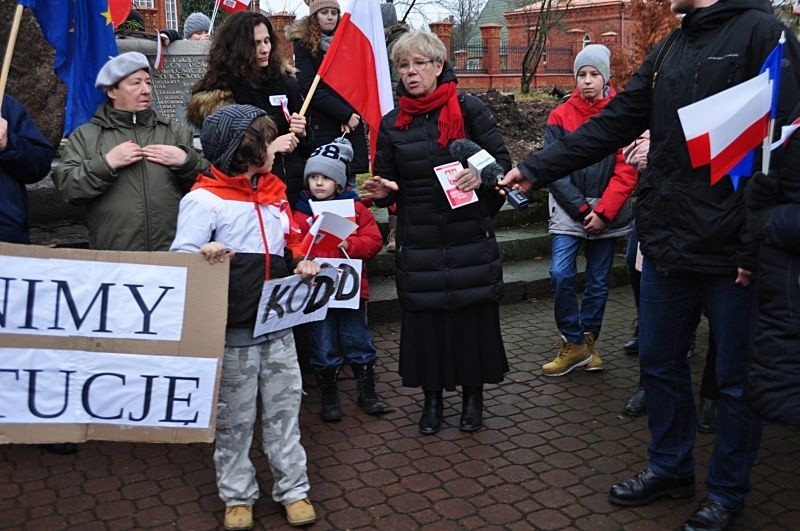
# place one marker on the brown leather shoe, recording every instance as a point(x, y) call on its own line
point(300, 513)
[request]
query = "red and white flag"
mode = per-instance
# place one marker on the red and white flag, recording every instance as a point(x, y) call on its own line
point(356, 65)
point(786, 133)
point(721, 129)
point(158, 64)
point(232, 6)
point(327, 232)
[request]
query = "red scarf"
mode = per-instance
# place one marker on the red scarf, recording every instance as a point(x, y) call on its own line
point(451, 122)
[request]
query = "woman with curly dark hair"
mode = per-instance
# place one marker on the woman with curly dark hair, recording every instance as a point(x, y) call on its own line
point(329, 114)
point(245, 67)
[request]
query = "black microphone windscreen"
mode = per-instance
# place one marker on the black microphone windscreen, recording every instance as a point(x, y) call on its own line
point(463, 148)
point(491, 173)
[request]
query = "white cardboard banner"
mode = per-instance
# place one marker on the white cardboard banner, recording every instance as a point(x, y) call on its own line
point(54, 297)
point(290, 301)
point(347, 293)
point(40, 386)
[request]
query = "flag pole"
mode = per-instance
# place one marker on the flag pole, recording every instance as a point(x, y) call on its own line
point(12, 41)
point(213, 17)
point(766, 146)
point(310, 95)
point(766, 151)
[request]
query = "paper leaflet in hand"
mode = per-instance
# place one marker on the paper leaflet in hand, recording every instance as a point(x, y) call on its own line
point(280, 100)
point(327, 232)
point(446, 174)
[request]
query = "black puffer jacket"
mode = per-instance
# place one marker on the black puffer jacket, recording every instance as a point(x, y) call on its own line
point(683, 223)
point(773, 386)
point(446, 258)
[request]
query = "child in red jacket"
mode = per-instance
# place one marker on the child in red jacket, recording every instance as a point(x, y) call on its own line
point(343, 334)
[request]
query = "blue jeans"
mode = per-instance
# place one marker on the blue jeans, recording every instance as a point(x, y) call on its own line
point(572, 318)
point(342, 335)
point(667, 318)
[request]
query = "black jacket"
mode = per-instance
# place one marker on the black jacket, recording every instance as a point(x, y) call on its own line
point(288, 166)
point(683, 223)
point(327, 110)
point(25, 160)
point(446, 258)
point(773, 386)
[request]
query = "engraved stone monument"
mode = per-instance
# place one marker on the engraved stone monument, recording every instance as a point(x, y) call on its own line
point(184, 64)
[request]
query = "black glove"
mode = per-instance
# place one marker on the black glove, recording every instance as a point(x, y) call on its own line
point(762, 191)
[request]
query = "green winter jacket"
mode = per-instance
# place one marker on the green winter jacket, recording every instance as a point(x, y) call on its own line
point(136, 207)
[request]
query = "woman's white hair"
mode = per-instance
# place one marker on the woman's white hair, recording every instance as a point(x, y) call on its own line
point(422, 42)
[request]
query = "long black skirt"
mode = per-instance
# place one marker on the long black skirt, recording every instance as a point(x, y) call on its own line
point(445, 348)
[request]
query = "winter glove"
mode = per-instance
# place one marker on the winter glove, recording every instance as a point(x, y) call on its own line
point(762, 191)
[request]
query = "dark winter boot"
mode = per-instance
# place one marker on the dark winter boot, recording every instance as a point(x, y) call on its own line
point(367, 398)
point(636, 404)
point(431, 419)
point(331, 410)
point(631, 346)
point(471, 408)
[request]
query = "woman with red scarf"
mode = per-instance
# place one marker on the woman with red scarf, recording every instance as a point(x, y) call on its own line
point(448, 271)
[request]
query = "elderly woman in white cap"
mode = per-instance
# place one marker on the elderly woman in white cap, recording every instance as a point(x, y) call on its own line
point(129, 165)
point(329, 114)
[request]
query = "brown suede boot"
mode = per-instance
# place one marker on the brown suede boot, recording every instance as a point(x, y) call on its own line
point(570, 356)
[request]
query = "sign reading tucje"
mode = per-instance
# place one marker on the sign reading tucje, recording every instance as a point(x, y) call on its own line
point(109, 345)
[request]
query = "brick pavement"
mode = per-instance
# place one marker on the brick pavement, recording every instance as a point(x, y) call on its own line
point(548, 453)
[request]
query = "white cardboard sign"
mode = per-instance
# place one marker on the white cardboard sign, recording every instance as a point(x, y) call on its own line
point(289, 301)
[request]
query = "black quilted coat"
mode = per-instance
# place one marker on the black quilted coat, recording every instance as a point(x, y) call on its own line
point(446, 258)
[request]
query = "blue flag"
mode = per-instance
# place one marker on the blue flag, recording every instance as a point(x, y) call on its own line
point(772, 64)
point(82, 33)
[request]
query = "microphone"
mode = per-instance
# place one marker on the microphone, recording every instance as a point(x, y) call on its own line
point(480, 161)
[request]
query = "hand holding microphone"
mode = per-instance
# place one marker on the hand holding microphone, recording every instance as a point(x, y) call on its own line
point(481, 162)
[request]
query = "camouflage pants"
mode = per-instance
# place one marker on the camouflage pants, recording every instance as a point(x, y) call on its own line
point(271, 370)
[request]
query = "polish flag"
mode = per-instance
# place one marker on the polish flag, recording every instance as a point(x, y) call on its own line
point(721, 129)
point(232, 6)
point(356, 65)
point(327, 232)
point(786, 133)
point(158, 64)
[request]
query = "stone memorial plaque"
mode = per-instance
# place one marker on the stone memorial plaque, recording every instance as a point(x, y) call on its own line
point(173, 85)
point(185, 62)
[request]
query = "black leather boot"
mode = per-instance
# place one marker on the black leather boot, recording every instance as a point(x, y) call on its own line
point(636, 404)
point(471, 408)
point(707, 416)
point(367, 398)
point(431, 419)
point(631, 346)
point(331, 410)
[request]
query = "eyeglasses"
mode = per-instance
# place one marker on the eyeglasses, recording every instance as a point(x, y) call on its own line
point(419, 65)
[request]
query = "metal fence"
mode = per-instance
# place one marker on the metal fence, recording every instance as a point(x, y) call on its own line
point(469, 59)
point(555, 60)
point(511, 57)
point(558, 59)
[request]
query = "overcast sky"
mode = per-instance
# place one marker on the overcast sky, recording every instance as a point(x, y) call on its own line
point(299, 8)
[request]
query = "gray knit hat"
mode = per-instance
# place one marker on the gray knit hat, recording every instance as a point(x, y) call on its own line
point(223, 131)
point(120, 67)
point(597, 56)
point(331, 160)
point(195, 23)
